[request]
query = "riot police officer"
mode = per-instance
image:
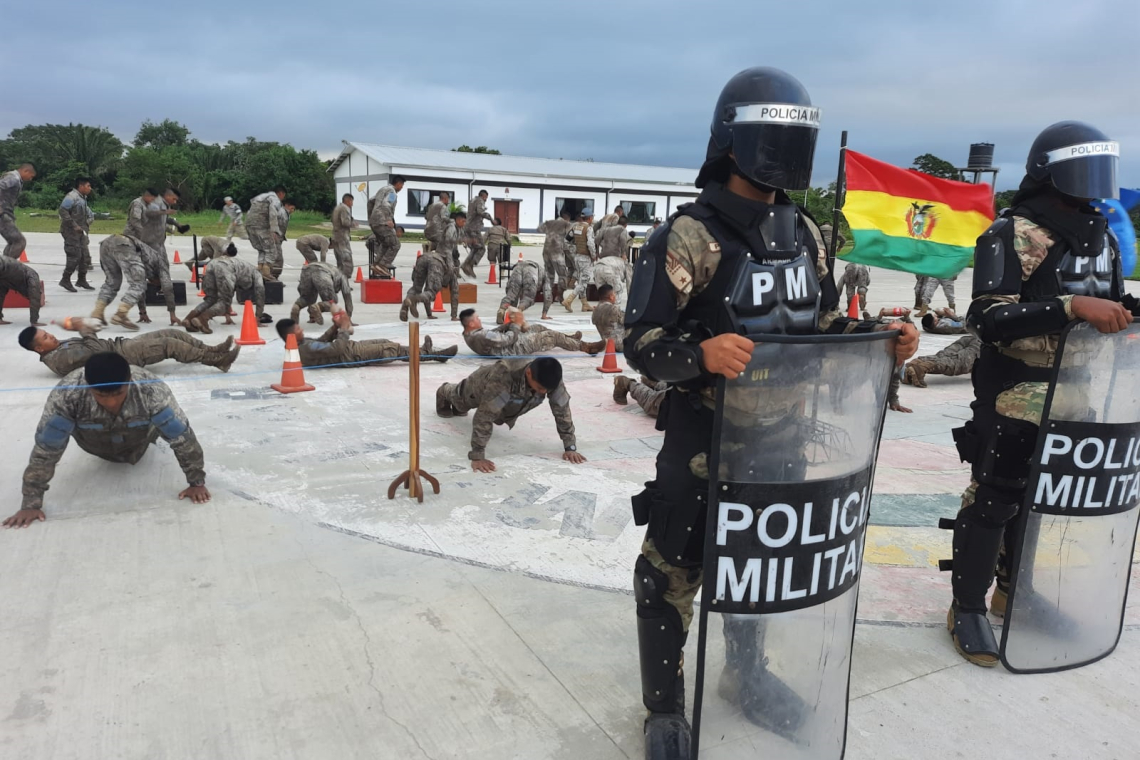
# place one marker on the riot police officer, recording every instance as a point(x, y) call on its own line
point(1047, 260)
point(741, 261)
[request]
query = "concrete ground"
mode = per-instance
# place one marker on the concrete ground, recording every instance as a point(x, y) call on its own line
point(301, 614)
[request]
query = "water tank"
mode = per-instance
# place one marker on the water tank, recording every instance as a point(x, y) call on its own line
point(981, 156)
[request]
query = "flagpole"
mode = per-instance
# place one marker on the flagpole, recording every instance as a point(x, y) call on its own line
point(840, 196)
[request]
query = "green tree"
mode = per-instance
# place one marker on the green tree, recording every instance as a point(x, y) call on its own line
point(480, 149)
point(928, 163)
point(167, 134)
point(81, 149)
point(1003, 199)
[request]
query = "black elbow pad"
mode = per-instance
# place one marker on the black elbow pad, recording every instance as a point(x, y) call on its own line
point(1018, 320)
point(672, 360)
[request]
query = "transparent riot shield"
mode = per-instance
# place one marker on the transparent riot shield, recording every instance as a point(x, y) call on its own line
point(1077, 527)
point(791, 470)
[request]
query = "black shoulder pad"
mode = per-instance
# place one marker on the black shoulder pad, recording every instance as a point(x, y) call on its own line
point(997, 270)
point(651, 298)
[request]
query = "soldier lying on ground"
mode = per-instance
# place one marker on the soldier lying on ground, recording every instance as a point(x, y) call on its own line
point(115, 412)
point(64, 357)
point(502, 392)
point(517, 338)
point(335, 348)
point(956, 359)
point(645, 392)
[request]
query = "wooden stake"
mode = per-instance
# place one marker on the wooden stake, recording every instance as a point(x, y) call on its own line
point(410, 478)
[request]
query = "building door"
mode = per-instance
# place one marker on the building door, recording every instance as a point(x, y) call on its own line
point(508, 212)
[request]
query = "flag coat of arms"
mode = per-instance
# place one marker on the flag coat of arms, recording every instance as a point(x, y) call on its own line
point(904, 219)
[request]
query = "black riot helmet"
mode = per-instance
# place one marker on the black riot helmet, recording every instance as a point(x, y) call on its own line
point(1077, 158)
point(765, 118)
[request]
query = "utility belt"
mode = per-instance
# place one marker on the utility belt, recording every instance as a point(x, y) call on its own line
point(1033, 359)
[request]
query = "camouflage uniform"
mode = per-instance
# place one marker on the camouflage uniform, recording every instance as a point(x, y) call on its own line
point(224, 277)
point(342, 224)
point(946, 326)
point(930, 285)
point(609, 321)
point(235, 226)
point(74, 224)
point(154, 229)
point(311, 245)
point(140, 216)
point(500, 394)
point(212, 248)
point(522, 288)
point(649, 397)
point(10, 187)
point(264, 227)
point(156, 268)
point(334, 347)
point(511, 340)
point(119, 256)
point(615, 272)
point(607, 221)
point(381, 212)
point(436, 214)
point(151, 348)
point(855, 281)
point(149, 412)
point(283, 217)
point(554, 249)
point(614, 242)
point(956, 359)
point(476, 213)
point(435, 271)
point(585, 252)
point(320, 283)
point(18, 276)
point(498, 244)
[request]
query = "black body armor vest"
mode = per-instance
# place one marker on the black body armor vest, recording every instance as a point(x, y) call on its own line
point(1083, 261)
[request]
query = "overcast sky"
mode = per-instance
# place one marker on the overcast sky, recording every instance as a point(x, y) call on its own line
point(626, 80)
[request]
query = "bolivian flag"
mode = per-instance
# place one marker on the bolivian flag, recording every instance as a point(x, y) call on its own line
point(904, 219)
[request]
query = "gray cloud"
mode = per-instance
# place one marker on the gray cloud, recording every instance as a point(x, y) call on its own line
point(631, 81)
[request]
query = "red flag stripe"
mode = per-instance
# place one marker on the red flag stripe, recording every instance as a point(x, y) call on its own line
point(866, 173)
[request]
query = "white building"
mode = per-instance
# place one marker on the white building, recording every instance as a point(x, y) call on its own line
point(523, 192)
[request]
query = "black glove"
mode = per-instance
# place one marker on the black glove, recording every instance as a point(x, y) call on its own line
point(183, 228)
point(1132, 303)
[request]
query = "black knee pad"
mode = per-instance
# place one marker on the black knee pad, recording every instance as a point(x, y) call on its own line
point(1004, 458)
point(660, 638)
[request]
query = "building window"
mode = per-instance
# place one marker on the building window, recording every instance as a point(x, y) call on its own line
point(419, 200)
point(573, 205)
point(639, 212)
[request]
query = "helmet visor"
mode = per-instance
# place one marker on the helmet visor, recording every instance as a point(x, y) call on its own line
point(774, 143)
point(1086, 170)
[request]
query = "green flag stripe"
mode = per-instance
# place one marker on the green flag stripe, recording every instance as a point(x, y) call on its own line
point(922, 257)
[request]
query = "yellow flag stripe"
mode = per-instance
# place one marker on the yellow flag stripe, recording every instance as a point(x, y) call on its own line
point(873, 210)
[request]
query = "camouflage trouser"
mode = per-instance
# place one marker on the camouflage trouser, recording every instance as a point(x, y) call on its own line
point(956, 359)
point(219, 290)
point(611, 271)
point(931, 285)
point(387, 246)
point(684, 582)
point(648, 398)
point(343, 253)
point(475, 246)
point(583, 271)
point(554, 264)
point(118, 261)
point(316, 290)
point(13, 236)
point(307, 252)
point(522, 289)
point(496, 252)
point(538, 339)
point(1025, 402)
point(375, 351)
point(77, 254)
point(161, 345)
point(262, 242)
point(29, 286)
point(237, 229)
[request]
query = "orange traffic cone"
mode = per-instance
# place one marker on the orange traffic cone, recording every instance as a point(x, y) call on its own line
point(177, 258)
point(249, 334)
point(438, 305)
point(853, 308)
point(24, 256)
point(292, 375)
point(520, 254)
point(609, 363)
point(193, 276)
point(359, 274)
point(492, 279)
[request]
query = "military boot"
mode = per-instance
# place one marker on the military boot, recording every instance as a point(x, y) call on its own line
point(594, 348)
point(202, 322)
point(65, 283)
point(81, 281)
point(223, 347)
point(97, 312)
point(404, 307)
point(121, 319)
point(224, 361)
point(568, 300)
point(468, 269)
point(441, 355)
point(916, 373)
point(621, 390)
point(586, 306)
point(266, 272)
point(442, 407)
